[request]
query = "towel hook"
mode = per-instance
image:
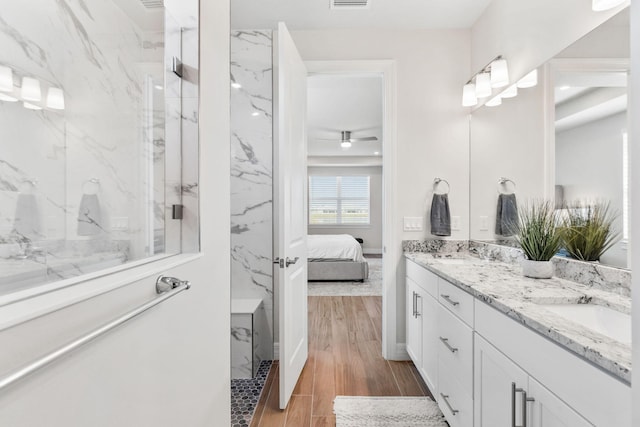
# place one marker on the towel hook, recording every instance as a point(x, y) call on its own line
point(94, 181)
point(437, 181)
point(503, 182)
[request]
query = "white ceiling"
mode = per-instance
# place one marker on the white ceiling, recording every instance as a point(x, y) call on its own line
point(390, 14)
point(338, 103)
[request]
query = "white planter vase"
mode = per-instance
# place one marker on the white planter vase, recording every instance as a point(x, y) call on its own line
point(537, 269)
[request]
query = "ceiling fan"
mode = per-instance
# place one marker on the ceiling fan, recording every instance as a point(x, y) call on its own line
point(346, 140)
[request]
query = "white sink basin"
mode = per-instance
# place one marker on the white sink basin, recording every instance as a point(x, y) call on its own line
point(600, 319)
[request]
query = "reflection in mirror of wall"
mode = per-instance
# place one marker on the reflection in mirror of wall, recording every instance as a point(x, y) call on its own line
point(90, 124)
point(564, 139)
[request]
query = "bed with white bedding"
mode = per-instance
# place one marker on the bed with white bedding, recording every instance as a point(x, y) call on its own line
point(335, 257)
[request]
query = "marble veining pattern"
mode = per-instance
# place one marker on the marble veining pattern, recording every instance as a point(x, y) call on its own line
point(502, 286)
point(251, 177)
point(435, 245)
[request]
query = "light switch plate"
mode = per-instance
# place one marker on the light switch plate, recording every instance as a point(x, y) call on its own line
point(455, 223)
point(484, 223)
point(413, 223)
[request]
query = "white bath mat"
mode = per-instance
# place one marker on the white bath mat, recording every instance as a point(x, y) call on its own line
point(354, 411)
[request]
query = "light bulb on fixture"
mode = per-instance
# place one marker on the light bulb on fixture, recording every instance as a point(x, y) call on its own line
point(499, 73)
point(510, 92)
point(530, 80)
point(29, 106)
point(469, 98)
point(345, 144)
point(494, 102)
point(601, 5)
point(6, 79)
point(483, 85)
point(7, 98)
point(30, 89)
point(55, 98)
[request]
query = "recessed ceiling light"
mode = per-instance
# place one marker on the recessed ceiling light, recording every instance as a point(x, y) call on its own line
point(236, 85)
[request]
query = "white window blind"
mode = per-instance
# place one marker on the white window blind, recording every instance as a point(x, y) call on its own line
point(339, 200)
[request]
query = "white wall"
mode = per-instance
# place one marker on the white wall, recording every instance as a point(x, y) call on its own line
point(432, 128)
point(589, 167)
point(529, 33)
point(506, 141)
point(371, 234)
point(634, 135)
point(170, 366)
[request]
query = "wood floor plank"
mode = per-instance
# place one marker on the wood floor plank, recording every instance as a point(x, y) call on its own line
point(305, 383)
point(407, 383)
point(257, 414)
point(324, 421)
point(273, 416)
point(324, 388)
point(299, 412)
point(420, 381)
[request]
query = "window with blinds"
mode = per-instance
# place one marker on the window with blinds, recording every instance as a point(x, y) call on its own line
point(339, 200)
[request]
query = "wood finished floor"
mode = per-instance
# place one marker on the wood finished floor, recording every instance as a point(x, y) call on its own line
point(344, 359)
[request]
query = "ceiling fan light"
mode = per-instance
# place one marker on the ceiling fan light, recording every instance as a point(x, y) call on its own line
point(483, 85)
point(530, 80)
point(601, 5)
point(499, 73)
point(469, 98)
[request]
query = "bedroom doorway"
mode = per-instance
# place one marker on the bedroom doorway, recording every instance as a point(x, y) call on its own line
point(351, 175)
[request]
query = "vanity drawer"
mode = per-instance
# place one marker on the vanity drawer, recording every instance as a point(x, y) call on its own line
point(455, 299)
point(454, 401)
point(455, 349)
point(423, 278)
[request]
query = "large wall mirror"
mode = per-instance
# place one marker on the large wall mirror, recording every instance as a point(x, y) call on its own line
point(564, 140)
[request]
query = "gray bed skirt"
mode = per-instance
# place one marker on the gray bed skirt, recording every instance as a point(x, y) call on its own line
point(337, 271)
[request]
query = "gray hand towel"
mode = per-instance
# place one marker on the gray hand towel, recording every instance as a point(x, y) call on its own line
point(27, 218)
point(507, 215)
point(440, 215)
point(89, 217)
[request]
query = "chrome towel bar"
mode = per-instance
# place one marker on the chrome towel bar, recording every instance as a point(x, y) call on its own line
point(167, 287)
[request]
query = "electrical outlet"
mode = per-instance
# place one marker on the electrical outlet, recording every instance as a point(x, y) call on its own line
point(413, 223)
point(455, 223)
point(484, 223)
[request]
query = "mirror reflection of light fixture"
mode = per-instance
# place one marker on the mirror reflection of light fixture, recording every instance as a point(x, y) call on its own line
point(55, 98)
point(494, 102)
point(6, 79)
point(469, 98)
point(483, 85)
point(30, 106)
point(601, 5)
point(7, 98)
point(499, 73)
point(530, 80)
point(30, 89)
point(510, 92)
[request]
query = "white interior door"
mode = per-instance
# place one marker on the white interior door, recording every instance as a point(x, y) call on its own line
point(290, 203)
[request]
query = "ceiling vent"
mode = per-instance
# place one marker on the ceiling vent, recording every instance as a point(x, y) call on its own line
point(152, 4)
point(350, 4)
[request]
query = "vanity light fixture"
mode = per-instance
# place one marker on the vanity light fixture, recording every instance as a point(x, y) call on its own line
point(499, 73)
point(55, 98)
point(510, 92)
point(345, 144)
point(30, 106)
point(483, 85)
point(30, 89)
point(469, 98)
point(494, 102)
point(530, 80)
point(6, 79)
point(7, 98)
point(601, 5)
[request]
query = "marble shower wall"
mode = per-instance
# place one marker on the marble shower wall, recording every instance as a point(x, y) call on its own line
point(251, 176)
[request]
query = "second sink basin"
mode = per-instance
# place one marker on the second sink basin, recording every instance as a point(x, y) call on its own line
point(600, 319)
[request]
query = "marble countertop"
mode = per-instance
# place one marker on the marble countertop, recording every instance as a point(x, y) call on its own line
point(502, 286)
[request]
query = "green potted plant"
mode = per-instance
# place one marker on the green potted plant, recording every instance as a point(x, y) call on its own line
point(587, 230)
point(539, 237)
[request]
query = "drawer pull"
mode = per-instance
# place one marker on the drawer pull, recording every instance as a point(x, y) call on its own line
point(448, 299)
point(418, 314)
point(445, 398)
point(445, 341)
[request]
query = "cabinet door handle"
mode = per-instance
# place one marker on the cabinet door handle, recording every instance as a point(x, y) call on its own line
point(525, 401)
point(413, 302)
point(448, 299)
point(445, 398)
point(445, 341)
point(418, 314)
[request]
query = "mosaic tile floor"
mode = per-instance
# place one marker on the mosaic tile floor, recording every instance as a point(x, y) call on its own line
point(245, 394)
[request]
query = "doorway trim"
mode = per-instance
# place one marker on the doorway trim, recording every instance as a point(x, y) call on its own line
point(391, 248)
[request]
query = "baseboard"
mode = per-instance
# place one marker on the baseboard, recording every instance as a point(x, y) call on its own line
point(276, 351)
point(401, 352)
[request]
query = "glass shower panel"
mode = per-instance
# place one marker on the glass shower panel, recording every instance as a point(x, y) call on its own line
point(90, 144)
